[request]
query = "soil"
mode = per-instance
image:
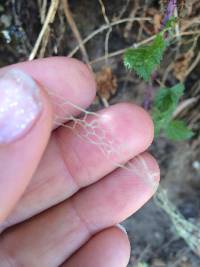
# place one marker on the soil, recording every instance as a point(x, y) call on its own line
point(152, 236)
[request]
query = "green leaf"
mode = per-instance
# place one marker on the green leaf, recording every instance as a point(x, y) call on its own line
point(170, 23)
point(165, 103)
point(166, 99)
point(145, 59)
point(177, 131)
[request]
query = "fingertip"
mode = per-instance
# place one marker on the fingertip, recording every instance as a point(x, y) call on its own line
point(117, 237)
point(152, 165)
point(144, 124)
point(120, 233)
point(132, 124)
point(122, 228)
point(110, 247)
point(120, 243)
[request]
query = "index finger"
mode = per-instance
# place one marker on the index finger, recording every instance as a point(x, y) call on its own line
point(69, 84)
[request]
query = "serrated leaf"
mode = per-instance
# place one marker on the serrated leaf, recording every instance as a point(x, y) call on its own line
point(177, 131)
point(145, 59)
point(167, 98)
point(165, 103)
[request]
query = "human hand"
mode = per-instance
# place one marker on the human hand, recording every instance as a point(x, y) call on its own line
point(60, 197)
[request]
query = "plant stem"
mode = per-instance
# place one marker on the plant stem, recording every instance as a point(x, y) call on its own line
point(148, 96)
point(172, 4)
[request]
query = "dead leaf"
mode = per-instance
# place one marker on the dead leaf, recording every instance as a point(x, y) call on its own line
point(106, 83)
point(157, 22)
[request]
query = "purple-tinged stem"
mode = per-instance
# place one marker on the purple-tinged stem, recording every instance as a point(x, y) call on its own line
point(148, 96)
point(172, 4)
point(170, 11)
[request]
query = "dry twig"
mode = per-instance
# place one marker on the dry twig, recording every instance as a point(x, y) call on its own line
point(121, 51)
point(42, 8)
point(123, 10)
point(74, 29)
point(103, 28)
point(108, 32)
point(193, 65)
point(184, 105)
point(49, 19)
point(130, 23)
point(44, 43)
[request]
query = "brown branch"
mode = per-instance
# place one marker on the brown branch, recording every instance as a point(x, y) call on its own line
point(121, 51)
point(74, 29)
point(102, 29)
point(49, 19)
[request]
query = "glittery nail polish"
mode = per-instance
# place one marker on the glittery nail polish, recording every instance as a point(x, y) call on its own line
point(20, 104)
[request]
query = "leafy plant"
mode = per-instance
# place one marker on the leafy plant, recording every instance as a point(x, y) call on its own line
point(144, 61)
point(177, 131)
point(164, 105)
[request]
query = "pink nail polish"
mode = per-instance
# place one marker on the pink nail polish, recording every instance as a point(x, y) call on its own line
point(20, 104)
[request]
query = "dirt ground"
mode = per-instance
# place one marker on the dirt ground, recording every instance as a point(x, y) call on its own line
point(153, 237)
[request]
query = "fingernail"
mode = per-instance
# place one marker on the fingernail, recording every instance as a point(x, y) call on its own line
point(20, 104)
point(121, 227)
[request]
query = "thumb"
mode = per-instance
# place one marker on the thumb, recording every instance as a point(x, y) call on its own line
point(25, 127)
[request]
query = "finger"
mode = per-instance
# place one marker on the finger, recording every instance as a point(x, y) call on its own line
point(71, 162)
point(64, 77)
point(103, 204)
point(109, 248)
point(118, 195)
point(25, 126)
point(68, 82)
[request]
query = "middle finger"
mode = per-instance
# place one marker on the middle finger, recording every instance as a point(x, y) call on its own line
point(71, 163)
point(53, 236)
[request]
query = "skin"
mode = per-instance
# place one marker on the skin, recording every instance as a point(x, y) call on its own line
point(61, 199)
